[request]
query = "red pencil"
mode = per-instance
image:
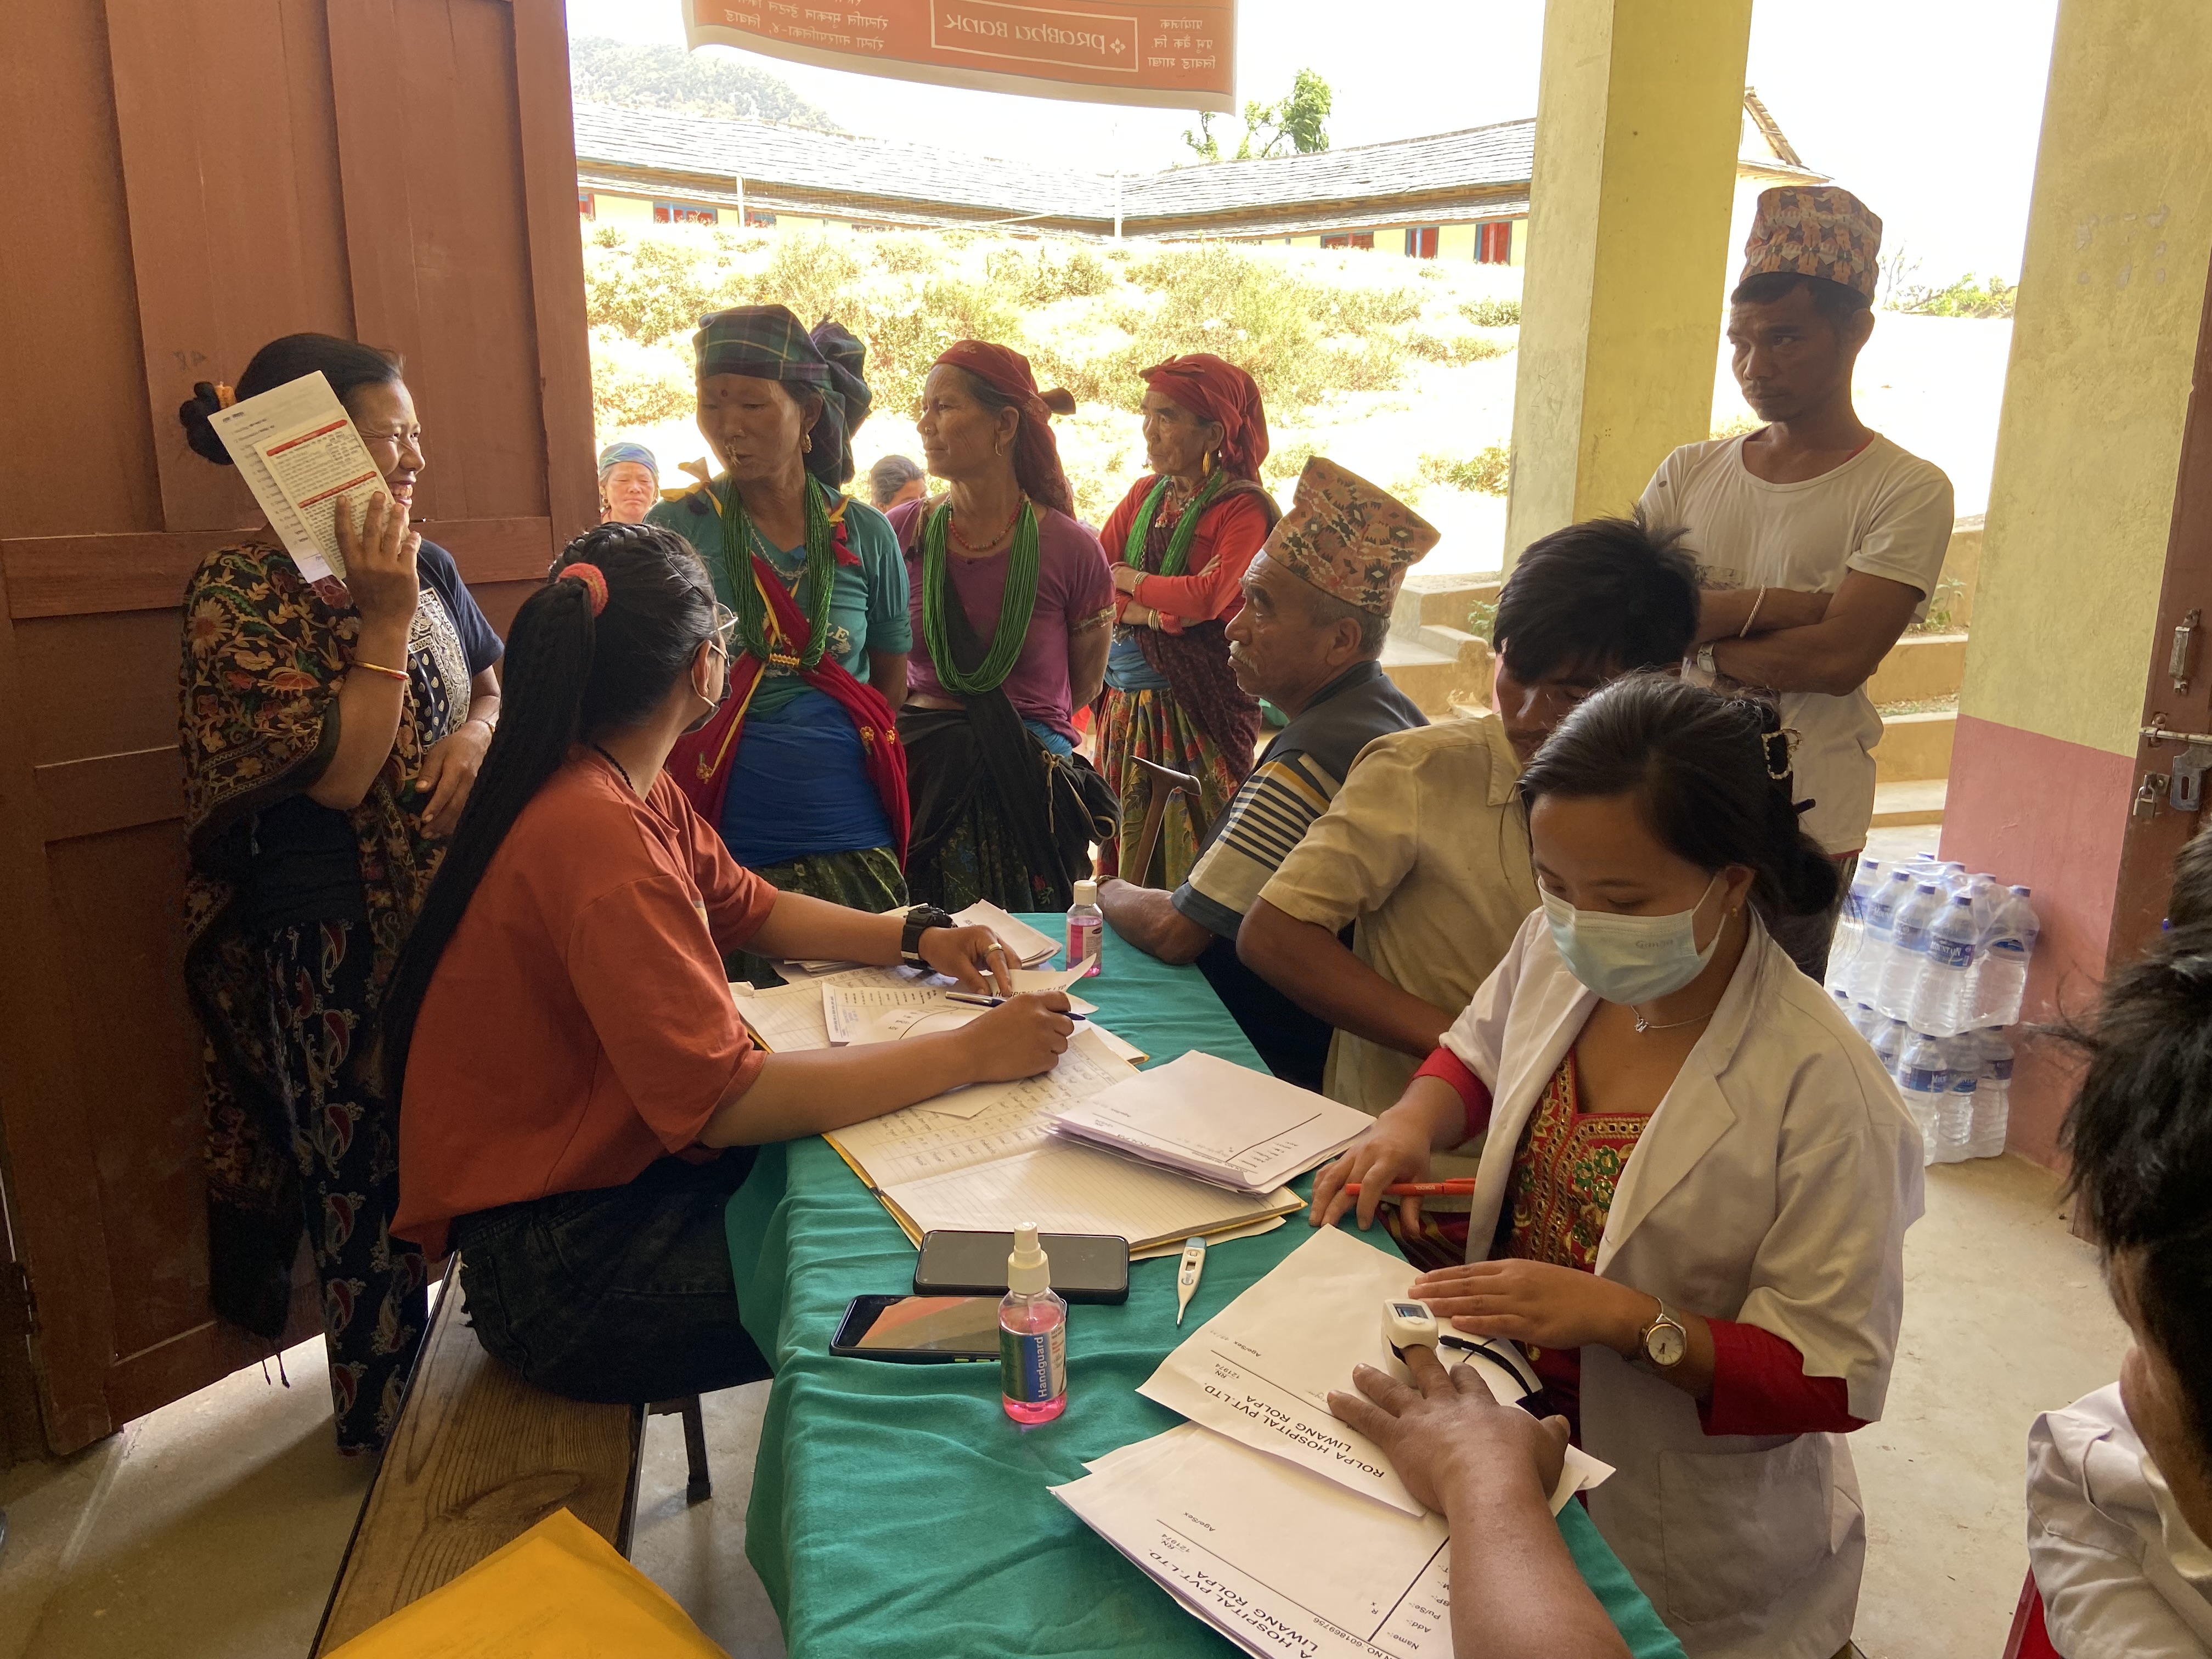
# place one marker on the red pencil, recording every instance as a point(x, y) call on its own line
point(1420, 1188)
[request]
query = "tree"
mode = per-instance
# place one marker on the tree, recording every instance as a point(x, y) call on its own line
point(1292, 123)
point(669, 77)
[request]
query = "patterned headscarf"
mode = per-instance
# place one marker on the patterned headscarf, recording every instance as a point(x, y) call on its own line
point(1819, 230)
point(1037, 455)
point(1348, 537)
point(766, 342)
point(615, 455)
point(1215, 389)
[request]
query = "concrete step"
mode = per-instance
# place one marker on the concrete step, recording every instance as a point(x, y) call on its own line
point(1920, 667)
point(1921, 801)
point(1437, 666)
point(1914, 747)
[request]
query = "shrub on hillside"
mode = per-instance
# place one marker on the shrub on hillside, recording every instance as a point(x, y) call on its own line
point(1487, 471)
point(1492, 313)
point(1454, 349)
point(1964, 298)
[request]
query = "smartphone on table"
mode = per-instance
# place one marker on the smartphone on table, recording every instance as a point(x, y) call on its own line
point(919, 1330)
point(1085, 1267)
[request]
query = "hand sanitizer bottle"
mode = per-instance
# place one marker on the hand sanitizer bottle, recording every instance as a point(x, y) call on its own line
point(1086, 928)
point(1032, 1335)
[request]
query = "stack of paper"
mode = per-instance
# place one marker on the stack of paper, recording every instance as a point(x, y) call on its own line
point(1265, 1516)
point(1277, 1560)
point(1261, 1370)
point(1209, 1117)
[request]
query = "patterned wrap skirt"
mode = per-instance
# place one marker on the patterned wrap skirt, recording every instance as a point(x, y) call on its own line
point(1153, 725)
point(866, 879)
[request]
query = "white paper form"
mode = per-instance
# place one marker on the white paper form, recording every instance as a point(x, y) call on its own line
point(1219, 1122)
point(293, 410)
point(1261, 1370)
point(927, 1141)
point(790, 1017)
point(858, 1009)
point(1277, 1560)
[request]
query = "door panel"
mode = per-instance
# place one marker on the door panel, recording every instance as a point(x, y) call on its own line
point(215, 173)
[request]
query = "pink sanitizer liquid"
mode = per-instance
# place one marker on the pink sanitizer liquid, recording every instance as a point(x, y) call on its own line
point(1032, 1335)
point(1086, 928)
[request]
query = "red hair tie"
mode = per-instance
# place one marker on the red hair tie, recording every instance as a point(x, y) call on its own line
point(594, 580)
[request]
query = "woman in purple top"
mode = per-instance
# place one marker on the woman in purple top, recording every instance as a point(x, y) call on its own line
point(1011, 602)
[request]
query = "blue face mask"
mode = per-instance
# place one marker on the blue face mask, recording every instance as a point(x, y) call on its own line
point(1631, 959)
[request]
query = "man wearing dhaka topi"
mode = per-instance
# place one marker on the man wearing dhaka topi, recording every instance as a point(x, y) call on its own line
point(1819, 540)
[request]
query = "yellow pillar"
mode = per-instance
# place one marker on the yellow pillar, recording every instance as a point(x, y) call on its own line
point(1639, 113)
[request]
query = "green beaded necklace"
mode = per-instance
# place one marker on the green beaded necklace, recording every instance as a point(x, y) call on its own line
point(816, 578)
point(1179, 539)
point(1015, 607)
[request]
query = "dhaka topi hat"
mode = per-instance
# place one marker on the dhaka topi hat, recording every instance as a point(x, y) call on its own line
point(766, 342)
point(1214, 389)
point(1349, 538)
point(615, 455)
point(1814, 230)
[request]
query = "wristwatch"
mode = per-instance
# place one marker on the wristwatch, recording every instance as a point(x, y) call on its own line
point(920, 921)
point(1663, 1341)
point(1707, 661)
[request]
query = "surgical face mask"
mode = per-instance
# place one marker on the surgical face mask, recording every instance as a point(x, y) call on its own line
point(1631, 959)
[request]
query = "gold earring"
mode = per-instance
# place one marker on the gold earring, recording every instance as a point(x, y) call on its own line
point(806, 443)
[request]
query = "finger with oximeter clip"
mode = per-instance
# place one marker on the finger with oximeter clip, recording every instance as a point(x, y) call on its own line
point(1408, 1325)
point(1194, 1263)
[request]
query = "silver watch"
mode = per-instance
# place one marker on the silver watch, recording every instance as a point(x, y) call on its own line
point(1663, 1341)
point(1707, 661)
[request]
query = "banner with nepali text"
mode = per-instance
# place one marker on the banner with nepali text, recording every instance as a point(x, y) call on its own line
point(1103, 51)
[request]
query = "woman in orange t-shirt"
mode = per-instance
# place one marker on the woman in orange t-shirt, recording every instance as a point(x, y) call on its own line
point(571, 1064)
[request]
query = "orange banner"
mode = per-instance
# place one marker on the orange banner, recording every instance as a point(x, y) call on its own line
point(1101, 52)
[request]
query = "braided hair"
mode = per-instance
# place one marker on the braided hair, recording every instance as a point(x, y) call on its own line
point(1710, 775)
point(570, 671)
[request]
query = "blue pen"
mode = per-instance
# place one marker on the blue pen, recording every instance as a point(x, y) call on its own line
point(975, 1001)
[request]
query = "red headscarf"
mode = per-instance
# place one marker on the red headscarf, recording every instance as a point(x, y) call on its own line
point(1214, 390)
point(1036, 457)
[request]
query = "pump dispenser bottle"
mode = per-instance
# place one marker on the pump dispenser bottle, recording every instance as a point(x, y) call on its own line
point(1032, 1334)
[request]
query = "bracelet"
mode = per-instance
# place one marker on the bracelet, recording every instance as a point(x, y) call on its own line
point(399, 674)
point(1745, 631)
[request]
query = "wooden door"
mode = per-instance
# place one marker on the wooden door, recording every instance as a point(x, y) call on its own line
point(2178, 695)
point(184, 180)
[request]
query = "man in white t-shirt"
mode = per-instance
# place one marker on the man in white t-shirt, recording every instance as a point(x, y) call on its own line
point(1819, 539)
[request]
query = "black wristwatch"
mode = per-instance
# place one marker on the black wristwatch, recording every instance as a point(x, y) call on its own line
point(920, 921)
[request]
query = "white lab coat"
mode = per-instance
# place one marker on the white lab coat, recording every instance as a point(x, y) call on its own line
point(2121, 1574)
point(1772, 1186)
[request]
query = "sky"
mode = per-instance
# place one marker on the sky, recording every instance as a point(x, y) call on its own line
point(1928, 110)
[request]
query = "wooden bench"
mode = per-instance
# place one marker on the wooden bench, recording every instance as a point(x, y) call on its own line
point(478, 1458)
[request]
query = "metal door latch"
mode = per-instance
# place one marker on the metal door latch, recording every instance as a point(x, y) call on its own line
point(2190, 765)
point(2147, 794)
point(2184, 637)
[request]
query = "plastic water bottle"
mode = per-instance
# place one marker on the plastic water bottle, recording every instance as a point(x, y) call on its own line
point(1851, 926)
point(1942, 994)
point(1889, 1044)
point(1867, 1021)
point(1842, 998)
point(1086, 929)
point(1032, 1335)
point(1881, 907)
point(2008, 944)
point(1908, 950)
point(1962, 1058)
point(1925, 1082)
point(1992, 1098)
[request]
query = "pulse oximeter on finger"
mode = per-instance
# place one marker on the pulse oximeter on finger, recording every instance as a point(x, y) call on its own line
point(1408, 1325)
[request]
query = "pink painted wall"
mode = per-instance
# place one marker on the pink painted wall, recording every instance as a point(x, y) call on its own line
point(2052, 815)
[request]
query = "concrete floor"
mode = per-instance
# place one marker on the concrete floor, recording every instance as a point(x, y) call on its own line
point(212, 1529)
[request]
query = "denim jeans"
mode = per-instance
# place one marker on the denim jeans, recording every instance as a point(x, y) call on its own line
point(621, 1294)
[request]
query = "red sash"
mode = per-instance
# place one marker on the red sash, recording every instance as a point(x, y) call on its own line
point(701, 761)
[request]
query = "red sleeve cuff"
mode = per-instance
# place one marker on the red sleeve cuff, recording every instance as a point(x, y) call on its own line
point(1473, 1092)
point(1759, 1387)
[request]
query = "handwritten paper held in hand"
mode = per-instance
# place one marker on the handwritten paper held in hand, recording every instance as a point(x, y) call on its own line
point(298, 452)
point(1260, 1371)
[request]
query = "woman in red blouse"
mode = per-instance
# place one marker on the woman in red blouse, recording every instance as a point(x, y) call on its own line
point(1180, 543)
point(1696, 1177)
point(578, 1097)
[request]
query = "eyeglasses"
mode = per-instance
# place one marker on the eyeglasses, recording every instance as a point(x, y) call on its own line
point(725, 625)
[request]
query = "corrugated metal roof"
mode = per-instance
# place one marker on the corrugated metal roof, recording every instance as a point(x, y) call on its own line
point(1406, 180)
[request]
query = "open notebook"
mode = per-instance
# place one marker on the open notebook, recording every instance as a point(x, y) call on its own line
point(984, 1157)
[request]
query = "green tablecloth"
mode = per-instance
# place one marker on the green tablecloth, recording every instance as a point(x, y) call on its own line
point(896, 1510)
